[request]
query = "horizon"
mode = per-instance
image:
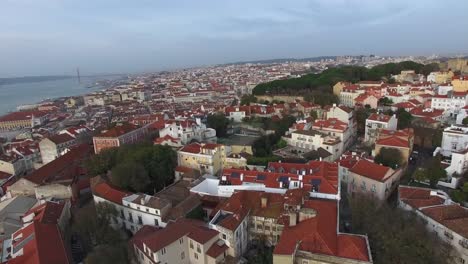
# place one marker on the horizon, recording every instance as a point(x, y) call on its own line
point(53, 37)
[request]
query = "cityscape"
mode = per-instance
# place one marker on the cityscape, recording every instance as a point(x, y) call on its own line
point(354, 159)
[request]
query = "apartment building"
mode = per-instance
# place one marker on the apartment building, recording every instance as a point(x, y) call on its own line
point(55, 146)
point(310, 140)
point(23, 119)
point(454, 138)
point(375, 123)
point(367, 177)
point(401, 140)
point(206, 158)
point(446, 219)
point(336, 128)
point(188, 130)
point(121, 134)
point(452, 103)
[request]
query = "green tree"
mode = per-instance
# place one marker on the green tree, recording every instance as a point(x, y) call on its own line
point(385, 101)
point(404, 118)
point(219, 122)
point(420, 174)
point(314, 114)
point(247, 99)
point(361, 115)
point(461, 195)
point(435, 172)
point(390, 157)
point(465, 121)
point(100, 164)
point(404, 239)
point(108, 254)
point(130, 176)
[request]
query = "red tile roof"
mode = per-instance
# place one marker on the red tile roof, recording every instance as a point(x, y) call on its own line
point(393, 141)
point(379, 117)
point(418, 197)
point(118, 130)
point(454, 217)
point(22, 115)
point(370, 170)
point(215, 250)
point(110, 193)
point(61, 138)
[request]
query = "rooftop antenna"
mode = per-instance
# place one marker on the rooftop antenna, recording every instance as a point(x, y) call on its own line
point(78, 74)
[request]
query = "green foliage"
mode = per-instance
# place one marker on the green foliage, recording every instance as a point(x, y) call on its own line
point(100, 164)
point(361, 115)
point(264, 255)
point(313, 114)
point(461, 195)
point(321, 98)
point(390, 157)
point(323, 82)
point(404, 118)
point(431, 172)
point(197, 213)
point(403, 239)
point(157, 162)
point(131, 176)
point(108, 254)
point(281, 144)
point(465, 121)
point(219, 122)
point(264, 145)
point(247, 99)
point(385, 101)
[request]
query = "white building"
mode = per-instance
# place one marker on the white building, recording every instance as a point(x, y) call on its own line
point(452, 103)
point(376, 122)
point(188, 130)
point(454, 138)
point(444, 218)
point(308, 140)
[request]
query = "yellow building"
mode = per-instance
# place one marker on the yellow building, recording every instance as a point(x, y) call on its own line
point(460, 83)
point(338, 87)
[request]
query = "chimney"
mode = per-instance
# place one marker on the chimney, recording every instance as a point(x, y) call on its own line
point(334, 105)
point(242, 177)
point(292, 218)
point(264, 201)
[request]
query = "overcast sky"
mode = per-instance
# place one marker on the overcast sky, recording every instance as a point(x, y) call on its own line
point(42, 37)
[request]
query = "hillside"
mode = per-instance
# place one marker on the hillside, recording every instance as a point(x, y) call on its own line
point(323, 82)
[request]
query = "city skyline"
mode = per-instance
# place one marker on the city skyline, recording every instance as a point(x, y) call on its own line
point(107, 38)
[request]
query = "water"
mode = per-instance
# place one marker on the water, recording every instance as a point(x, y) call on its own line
point(13, 95)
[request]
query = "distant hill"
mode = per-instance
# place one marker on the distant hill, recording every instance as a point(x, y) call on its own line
point(318, 87)
point(32, 79)
point(283, 60)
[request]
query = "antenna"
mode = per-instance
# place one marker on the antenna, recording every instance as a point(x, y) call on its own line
point(78, 74)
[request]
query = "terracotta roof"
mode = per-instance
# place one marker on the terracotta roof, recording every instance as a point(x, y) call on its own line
point(118, 130)
point(393, 141)
point(215, 250)
point(379, 117)
point(419, 197)
point(454, 217)
point(110, 193)
point(370, 170)
point(22, 115)
point(61, 138)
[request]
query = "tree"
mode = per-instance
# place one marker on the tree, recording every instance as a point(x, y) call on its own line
point(219, 122)
point(385, 101)
point(435, 172)
point(461, 195)
point(108, 254)
point(404, 118)
point(361, 115)
point(130, 176)
point(465, 121)
point(101, 163)
point(389, 157)
point(404, 239)
point(314, 114)
point(247, 99)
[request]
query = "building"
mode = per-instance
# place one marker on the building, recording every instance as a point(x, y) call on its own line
point(454, 138)
point(460, 83)
point(369, 178)
point(366, 100)
point(121, 134)
point(344, 114)
point(346, 162)
point(401, 140)
point(136, 210)
point(237, 113)
point(185, 241)
point(57, 179)
point(55, 146)
point(442, 217)
point(452, 103)
point(42, 238)
point(310, 140)
point(188, 130)
point(349, 94)
point(375, 123)
point(440, 77)
point(23, 119)
point(206, 158)
point(11, 211)
point(336, 128)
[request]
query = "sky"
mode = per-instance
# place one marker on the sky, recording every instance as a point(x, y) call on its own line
point(48, 37)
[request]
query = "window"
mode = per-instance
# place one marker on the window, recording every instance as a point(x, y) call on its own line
point(181, 240)
point(463, 243)
point(122, 213)
point(195, 255)
point(198, 248)
point(374, 188)
point(130, 217)
point(448, 235)
point(140, 220)
point(224, 236)
point(163, 251)
point(182, 255)
point(156, 222)
point(191, 244)
point(363, 186)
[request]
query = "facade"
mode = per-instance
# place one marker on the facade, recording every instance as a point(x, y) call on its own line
point(443, 217)
point(119, 135)
point(55, 146)
point(206, 158)
point(309, 140)
point(336, 128)
point(369, 178)
point(22, 120)
point(460, 83)
point(375, 123)
point(188, 130)
point(454, 138)
point(452, 103)
point(401, 140)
